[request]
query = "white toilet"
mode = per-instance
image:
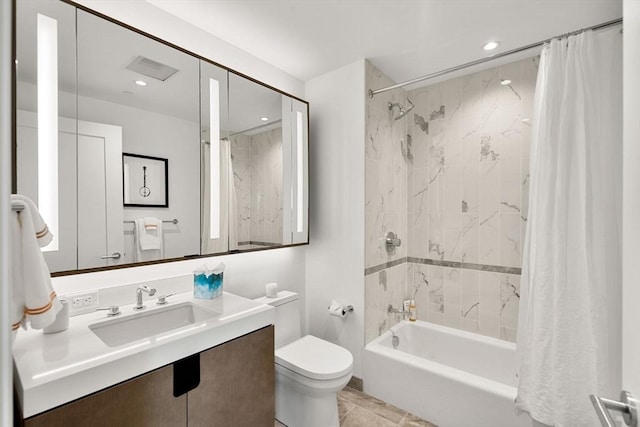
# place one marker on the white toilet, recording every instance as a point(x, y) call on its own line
point(309, 371)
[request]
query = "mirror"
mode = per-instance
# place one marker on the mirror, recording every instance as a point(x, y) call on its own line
point(257, 150)
point(150, 138)
point(150, 92)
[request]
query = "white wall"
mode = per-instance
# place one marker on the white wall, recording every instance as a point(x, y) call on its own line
point(159, 23)
point(335, 256)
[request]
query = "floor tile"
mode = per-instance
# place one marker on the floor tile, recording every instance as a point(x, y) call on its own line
point(411, 420)
point(373, 405)
point(344, 406)
point(359, 417)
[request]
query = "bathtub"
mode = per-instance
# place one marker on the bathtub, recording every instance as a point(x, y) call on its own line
point(449, 377)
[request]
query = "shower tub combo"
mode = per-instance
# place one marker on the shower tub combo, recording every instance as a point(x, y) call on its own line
point(449, 377)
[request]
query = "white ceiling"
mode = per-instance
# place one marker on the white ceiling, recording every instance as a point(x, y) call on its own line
point(403, 38)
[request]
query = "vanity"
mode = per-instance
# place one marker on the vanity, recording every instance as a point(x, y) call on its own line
point(213, 364)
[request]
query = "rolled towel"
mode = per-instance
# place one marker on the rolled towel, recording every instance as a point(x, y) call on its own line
point(34, 300)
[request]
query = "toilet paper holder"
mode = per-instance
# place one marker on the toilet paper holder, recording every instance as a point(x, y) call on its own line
point(338, 309)
point(347, 309)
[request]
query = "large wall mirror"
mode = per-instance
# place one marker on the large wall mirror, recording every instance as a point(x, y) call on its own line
point(137, 151)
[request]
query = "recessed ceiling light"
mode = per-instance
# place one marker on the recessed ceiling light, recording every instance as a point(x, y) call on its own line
point(141, 83)
point(505, 82)
point(491, 45)
point(264, 119)
point(127, 92)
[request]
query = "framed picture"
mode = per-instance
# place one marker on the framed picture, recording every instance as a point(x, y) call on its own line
point(145, 180)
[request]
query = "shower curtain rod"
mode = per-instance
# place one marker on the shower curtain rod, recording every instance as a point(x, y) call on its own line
point(490, 58)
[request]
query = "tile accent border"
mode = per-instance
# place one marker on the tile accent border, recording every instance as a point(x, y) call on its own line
point(441, 263)
point(384, 266)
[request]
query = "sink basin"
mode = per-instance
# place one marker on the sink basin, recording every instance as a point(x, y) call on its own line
point(123, 330)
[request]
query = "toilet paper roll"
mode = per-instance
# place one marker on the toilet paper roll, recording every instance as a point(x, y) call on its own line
point(336, 309)
point(271, 290)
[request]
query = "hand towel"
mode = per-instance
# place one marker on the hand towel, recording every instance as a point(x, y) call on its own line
point(34, 300)
point(148, 234)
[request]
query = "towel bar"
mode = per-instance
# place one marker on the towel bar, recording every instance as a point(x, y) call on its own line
point(172, 221)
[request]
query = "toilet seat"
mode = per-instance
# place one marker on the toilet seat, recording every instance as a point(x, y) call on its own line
point(315, 358)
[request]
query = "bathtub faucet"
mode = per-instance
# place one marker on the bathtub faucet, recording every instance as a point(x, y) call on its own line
point(403, 313)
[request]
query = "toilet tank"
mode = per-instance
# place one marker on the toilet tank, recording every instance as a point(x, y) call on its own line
point(287, 322)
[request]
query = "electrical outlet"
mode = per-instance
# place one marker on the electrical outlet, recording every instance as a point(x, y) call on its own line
point(84, 302)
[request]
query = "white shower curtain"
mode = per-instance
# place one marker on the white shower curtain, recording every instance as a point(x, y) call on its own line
point(569, 323)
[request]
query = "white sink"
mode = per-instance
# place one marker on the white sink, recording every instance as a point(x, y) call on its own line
point(123, 330)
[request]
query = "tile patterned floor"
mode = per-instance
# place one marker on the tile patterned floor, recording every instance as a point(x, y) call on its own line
point(357, 409)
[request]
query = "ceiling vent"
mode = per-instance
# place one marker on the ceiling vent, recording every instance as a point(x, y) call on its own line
point(151, 68)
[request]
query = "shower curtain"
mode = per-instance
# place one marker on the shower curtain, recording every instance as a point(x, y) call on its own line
point(569, 322)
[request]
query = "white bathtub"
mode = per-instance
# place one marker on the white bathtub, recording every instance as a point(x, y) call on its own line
point(446, 376)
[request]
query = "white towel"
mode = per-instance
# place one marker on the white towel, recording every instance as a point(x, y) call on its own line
point(148, 233)
point(34, 299)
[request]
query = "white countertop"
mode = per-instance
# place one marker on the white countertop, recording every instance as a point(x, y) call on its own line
point(53, 369)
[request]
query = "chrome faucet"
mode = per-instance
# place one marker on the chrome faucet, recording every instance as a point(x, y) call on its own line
point(403, 313)
point(143, 288)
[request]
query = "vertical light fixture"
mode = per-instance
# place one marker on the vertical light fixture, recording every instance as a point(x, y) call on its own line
point(214, 158)
point(47, 80)
point(299, 172)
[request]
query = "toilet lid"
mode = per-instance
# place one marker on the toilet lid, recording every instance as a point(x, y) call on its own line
point(315, 358)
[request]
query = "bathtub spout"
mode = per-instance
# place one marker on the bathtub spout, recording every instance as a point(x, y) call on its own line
point(403, 313)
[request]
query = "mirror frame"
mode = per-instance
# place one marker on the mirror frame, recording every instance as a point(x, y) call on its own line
point(14, 170)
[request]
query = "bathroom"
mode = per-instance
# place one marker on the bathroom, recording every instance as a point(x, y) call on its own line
point(459, 214)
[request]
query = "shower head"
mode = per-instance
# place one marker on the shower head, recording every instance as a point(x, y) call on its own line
point(401, 110)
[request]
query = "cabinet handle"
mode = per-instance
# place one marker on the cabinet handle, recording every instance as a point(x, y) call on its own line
point(115, 255)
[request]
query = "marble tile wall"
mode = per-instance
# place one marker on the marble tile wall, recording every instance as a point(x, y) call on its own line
point(257, 170)
point(386, 158)
point(468, 196)
point(241, 161)
point(266, 186)
point(465, 152)
point(387, 154)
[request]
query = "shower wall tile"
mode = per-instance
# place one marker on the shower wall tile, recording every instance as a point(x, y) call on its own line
point(241, 161)
point(489, 245)
point(510, 245)
point(469, 295)
point(452, 179)
point(452, 297)
point(477, 301)
point(385, 287)
point(471, 141)
point(489, 308)
point(509, 299)
point(266, 186)
point(388, 156)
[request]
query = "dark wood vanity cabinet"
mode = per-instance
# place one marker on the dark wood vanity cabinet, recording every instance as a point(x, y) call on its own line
point(236, 388)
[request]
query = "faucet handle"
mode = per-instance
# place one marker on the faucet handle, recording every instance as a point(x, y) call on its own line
point(114, 310)
point(162, 299)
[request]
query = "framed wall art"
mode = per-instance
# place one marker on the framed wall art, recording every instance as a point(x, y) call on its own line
point(145, 180)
